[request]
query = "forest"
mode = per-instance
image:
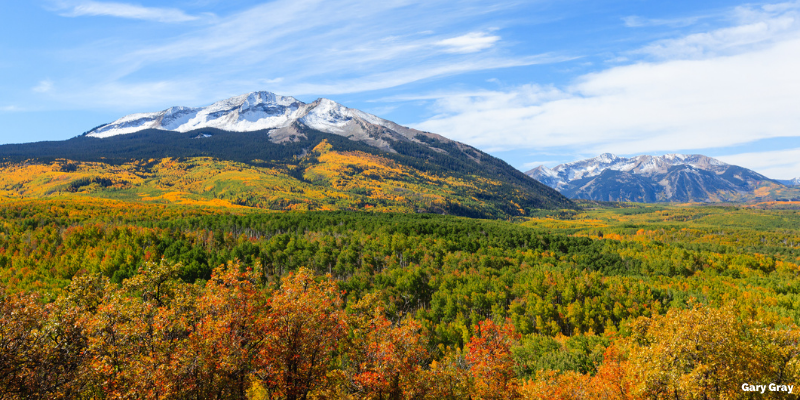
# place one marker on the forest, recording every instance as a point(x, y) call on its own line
point(317, 171)
point(108, 299)
point(326, 177)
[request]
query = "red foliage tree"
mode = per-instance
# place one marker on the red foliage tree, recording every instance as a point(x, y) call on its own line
point(302, 328)
point(491, 364)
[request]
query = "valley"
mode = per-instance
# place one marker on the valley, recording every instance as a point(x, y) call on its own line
point(576, 286)
point(163, 254)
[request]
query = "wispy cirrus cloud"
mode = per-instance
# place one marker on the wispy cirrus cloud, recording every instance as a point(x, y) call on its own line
point(778, 164)
point(140, 96)
point(121, 10)
point(469, 43)
point(635, 21)
point(406, 75)
point(310, 47)
point(43, 86)
point(749, 35)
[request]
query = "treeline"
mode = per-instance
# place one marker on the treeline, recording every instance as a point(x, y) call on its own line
point(242, 336)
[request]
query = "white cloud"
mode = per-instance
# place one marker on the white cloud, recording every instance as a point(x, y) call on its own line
point(533, 164)
point(469, 43)
point(383, 110)
point(310, 47)
point(143, 96)
point(302, 36)
point(715, 99)
point(123, 10)
point(10, 109)
point(754, 28)
point(402, 76)
point(780, 164)
point(634, 21)
point(725, 41)
point(43, 86)
point(271, 81)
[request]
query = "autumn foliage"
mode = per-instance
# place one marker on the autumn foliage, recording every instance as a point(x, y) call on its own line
point(239, 336)
point(389, 306)
point(303, 325)
point(489, 357)
point(385, 360)
point(156, 337)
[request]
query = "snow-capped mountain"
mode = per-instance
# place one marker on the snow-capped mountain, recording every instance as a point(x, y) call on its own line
point(791, 182)
point(320, 155)
point(671, 177)
point(282, 115)
point(560, 176)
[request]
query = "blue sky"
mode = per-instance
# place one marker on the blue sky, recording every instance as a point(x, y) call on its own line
point(532, 82)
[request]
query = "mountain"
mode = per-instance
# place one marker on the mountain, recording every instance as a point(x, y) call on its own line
point(790, 182)
point(671, 177)
point(283, 116)
point(269, 151)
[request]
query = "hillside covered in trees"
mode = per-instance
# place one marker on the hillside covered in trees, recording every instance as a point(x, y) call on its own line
point(320, 171)
point(110, 299)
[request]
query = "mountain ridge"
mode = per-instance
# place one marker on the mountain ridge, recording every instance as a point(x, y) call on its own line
point(262, 110)
point(790, 182)
point(373, 163)
point(646, 178)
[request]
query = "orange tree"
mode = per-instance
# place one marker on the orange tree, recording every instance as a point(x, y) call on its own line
point(491, 362)
point(385, 360)
point(302, 327)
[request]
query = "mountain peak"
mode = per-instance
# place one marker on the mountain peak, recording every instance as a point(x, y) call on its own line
point(649, 178)
point(606, 157)
point(386, 165)
point(263, 97)
point(248, 112)
point(254, 111)
point(284, 117)
point(790, 182)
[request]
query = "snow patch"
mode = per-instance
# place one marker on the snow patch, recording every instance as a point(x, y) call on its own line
point(643, 165)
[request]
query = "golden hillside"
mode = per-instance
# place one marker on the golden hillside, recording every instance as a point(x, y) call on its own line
point(325, 179)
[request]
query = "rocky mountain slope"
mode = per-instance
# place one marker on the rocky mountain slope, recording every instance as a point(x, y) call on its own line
point(672, 178)
point(278, 153)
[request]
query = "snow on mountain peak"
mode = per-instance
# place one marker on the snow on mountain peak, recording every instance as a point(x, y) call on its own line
point(268, 111)
point(606, 158)
point(327, 115)
point(646, 165)
point(248, 112)
point(252, 99)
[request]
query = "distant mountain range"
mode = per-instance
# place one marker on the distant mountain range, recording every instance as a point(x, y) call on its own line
point(270, 151)
point(668, 178)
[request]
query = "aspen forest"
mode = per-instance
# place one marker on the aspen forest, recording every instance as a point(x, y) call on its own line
point(102, 299)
